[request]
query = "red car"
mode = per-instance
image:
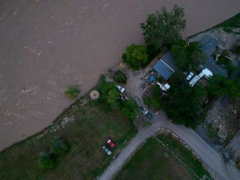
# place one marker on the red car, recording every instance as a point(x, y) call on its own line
point(110, 143)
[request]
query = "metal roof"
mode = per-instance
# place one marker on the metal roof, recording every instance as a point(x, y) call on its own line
point(209, 45)
point(163, 69)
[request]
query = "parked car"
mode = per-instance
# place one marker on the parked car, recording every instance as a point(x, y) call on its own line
point(149, 115)
point(111, 144)
point(107, 150)
point(146, 112)
point(120, 88)
point(190, 75)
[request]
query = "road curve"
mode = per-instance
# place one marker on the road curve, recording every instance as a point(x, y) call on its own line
point(213, 161)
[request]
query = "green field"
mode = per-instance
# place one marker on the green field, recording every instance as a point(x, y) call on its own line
point(94, 123)
point(150, 164)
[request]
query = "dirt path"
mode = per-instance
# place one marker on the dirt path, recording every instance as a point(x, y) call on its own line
point(210, 157)
point(48, 45)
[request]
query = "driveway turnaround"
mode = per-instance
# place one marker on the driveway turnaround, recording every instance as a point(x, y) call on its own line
point(212, 160)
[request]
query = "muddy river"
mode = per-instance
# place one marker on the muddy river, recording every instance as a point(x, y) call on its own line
point(46, 45)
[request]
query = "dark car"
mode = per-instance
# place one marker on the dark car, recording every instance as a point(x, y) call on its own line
point(149, 115)
point(146, 112)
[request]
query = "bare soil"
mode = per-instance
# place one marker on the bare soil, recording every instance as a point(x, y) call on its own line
point(49, 45)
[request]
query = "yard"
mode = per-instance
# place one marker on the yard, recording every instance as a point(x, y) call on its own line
point(93, 123)
point(154, 161)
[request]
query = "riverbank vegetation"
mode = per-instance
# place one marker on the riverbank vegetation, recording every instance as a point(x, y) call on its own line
point(72, 92)
point(85, 125)
point(158, 32)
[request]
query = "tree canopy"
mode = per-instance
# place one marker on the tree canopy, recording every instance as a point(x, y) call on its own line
point(182, 103)
point(135, 56)
point(108, 93)
point(219, 86)
point(45, 161)
point(120, 77)
point(187, 55)
point(58, 146)
point(130, 109)
point(164, 27)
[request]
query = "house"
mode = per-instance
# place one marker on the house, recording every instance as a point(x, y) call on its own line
point(165, 67)
point(209, 45)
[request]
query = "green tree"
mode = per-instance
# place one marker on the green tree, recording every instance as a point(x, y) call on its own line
point(45, 161)
point(72, 92)
point(163, 27)
point(187, 55)
point(120, 77)
point(130, 109)
point(113, 94)
point(219, 86)
point(58, 146)
point(182, 103)
point(135, 56)
point(108, 93)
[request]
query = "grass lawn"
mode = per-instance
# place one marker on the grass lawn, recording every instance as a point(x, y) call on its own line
point(93, 123)
point(150, 164)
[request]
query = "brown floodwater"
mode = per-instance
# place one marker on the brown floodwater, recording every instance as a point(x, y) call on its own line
point(47, 45)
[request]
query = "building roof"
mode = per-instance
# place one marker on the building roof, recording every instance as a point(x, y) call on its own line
point(168, 59)
point(212, 65)
point(163, 69)
point(209, 45)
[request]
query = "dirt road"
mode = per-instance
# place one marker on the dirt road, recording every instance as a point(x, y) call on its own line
point(210, 157)
point(48, 45)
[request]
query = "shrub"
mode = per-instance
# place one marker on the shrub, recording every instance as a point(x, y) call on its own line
point(225, 52)
point(147, 101)
point(156, 102)
point(130, 109)
point(120, 77)
point(45, 160)
point(237, 50)
point(58, 146)
point(72, 92)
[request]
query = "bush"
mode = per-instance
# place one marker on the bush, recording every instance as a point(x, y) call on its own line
point(225, 52)
point(58, 146)
point(72, 92)
point(237, 50)
point(120, 77)
point(147, 101)
point(45, 160)
point(224, 61)
point(156, 102)
point(130, 109)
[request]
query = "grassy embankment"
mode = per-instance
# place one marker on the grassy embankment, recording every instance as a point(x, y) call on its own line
point(93, 123)
point(150, 163)
point(227, 26)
